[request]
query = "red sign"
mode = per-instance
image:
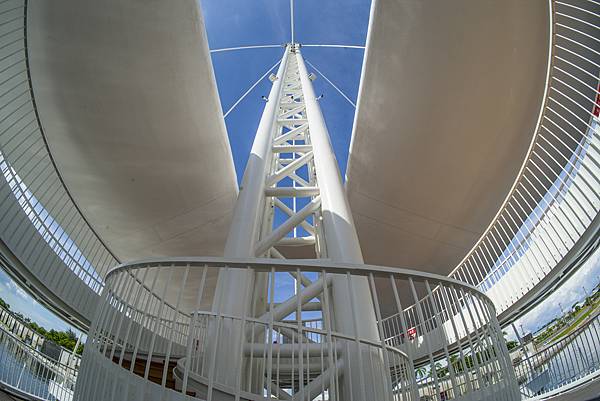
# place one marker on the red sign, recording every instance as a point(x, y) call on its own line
point(597, 104)
point(412, 333)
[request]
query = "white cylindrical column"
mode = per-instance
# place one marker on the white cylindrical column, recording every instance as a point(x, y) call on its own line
point(338, 224)
point(352, 304)
point(246, 216)
point(243, 232)
point(235, 287)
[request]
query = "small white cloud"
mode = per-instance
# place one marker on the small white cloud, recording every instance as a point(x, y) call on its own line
point(20, 292)
point(565, 296)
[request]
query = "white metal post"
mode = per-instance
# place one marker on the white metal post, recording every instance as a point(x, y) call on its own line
point(243, 232)
point(353, 313)
point(292, 123)
point(242, 237)
point(340, 233)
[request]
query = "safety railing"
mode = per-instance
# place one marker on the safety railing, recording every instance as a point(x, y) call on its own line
point(30, 374)
point(575, 356)
point(550, 217)
point(157, 334)
point(39, 223)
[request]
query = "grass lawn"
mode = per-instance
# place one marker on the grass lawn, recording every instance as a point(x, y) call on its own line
point(575, 324)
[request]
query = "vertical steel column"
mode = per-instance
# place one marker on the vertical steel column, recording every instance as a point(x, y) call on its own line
point(352, 304)
point(338, 224)
point(242, 237)
point(244, 232)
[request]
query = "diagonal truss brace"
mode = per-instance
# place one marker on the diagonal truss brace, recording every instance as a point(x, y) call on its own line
point(287, 226)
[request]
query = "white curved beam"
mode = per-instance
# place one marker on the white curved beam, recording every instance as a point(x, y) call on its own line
point(338, 46)
point(227, 49)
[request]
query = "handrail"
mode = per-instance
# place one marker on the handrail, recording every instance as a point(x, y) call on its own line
point(550, 215)
point(563, 362)
point(45, 241)
point(154, 311)
point(27, 372)
point(290, 265)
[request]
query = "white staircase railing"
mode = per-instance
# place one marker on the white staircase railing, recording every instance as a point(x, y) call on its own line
point(30, 374)
point(572, 358)
point(156, 336)
point(549, 221)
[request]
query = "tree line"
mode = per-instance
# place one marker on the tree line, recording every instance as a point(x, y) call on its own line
point(66, 339)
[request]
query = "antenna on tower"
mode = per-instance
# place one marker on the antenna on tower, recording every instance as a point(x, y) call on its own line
point(292, 19)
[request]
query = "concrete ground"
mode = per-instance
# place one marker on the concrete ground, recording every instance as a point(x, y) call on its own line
point(587, 392)
point(5, 397)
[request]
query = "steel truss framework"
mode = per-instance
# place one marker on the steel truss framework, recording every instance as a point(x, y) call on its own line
point(291, 176)
point(293, 180)
point(292, 196)
point(322, 338)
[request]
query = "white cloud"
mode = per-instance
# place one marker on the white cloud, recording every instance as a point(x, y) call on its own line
point(570, 292)
point(20, 301)
point(13, 287)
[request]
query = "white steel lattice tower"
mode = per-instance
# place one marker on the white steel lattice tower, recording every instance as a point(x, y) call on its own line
point(292, 159)
point(321, 325)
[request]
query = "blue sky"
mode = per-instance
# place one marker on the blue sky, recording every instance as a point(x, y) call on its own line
point(20, 301)
point(232, 23)
point(566, 295)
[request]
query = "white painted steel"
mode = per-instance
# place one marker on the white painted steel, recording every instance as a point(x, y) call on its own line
point(351, 301)
point(46, 243)
point(30, 374)
point(230, 297)
point(247, 345)
point(227, 49)
point(245, 223)
point(337, 46)
point(292, 117)
point(550, 220)
point(140, 322)
point(549, 217)
point(562, 363)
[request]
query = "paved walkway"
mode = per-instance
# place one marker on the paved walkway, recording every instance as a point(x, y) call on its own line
point(586, 392)
point(6, 397)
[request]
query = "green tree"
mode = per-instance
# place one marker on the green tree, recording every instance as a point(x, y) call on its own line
point(456, 363)
point(4, 304)
point(512, 345)
point(420, 372)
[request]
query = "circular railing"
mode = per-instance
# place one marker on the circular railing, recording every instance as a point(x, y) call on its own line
point(158, 321)
point(30, 374)
point(572, 361)
point(549, 219)
point(45, 241)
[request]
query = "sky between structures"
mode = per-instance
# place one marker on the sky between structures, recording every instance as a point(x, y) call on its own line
point(232, 23)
